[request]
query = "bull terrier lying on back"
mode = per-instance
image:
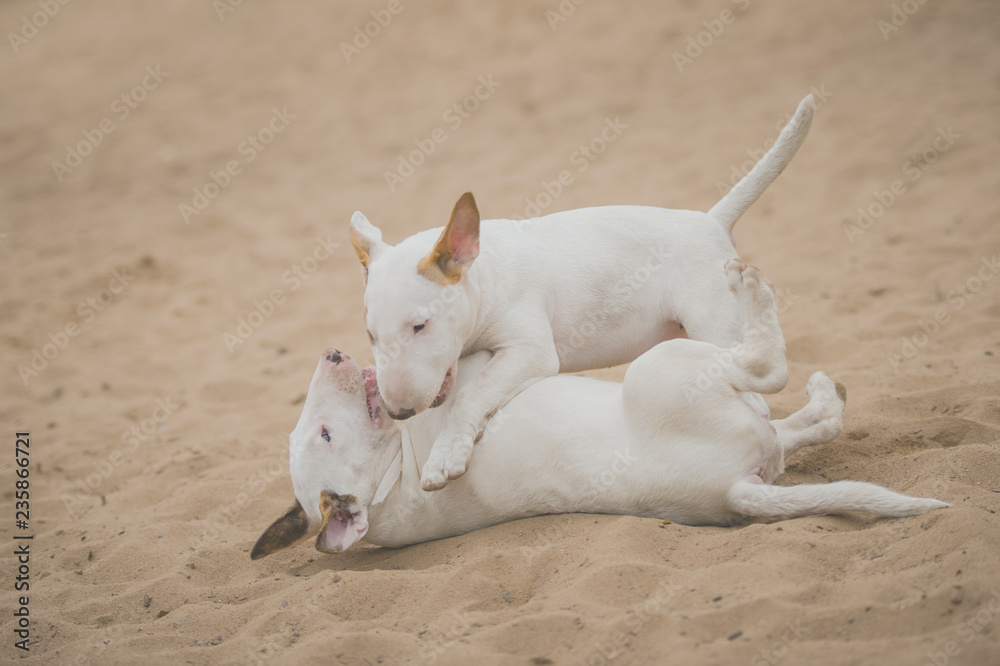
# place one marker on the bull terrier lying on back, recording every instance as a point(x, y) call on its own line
point(696, 456)
point(572, 291)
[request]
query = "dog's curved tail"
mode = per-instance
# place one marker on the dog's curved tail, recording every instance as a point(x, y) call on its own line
point(776, 502)
point(745, 192)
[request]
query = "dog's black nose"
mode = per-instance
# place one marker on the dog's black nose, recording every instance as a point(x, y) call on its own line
point(401, 415)
point(333, 356)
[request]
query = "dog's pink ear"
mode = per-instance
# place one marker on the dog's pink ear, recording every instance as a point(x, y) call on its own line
point(462, 233)
point(457, 247)
point(366, 239)
point(287, 531)
point(344, 522)
point(339, 535)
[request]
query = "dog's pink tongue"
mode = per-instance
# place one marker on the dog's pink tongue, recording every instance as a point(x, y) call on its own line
point(372, 394)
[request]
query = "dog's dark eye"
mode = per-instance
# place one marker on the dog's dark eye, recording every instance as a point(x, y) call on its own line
point(419, 327)
point(325, 435)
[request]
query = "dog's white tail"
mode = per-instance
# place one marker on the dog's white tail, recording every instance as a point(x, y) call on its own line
point(764, 501)
point(745, 192)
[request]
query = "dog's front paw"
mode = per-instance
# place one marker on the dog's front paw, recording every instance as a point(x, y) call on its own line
point(448, 460)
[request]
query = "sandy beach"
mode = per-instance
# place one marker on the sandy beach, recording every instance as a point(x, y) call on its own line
point(177, 181)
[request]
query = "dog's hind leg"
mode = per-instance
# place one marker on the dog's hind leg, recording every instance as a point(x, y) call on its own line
point(778, 502)
point(819, 421)
point(758, 362)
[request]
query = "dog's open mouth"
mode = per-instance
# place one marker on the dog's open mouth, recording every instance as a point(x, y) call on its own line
point(449, 381)
point(372, 395)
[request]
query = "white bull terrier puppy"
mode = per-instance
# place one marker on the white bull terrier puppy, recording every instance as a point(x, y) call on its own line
point(571, 291)
point(676, 440)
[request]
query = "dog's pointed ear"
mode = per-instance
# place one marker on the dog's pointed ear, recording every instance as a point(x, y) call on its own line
point(289, 530)
point(366, 239)
point(457, 247)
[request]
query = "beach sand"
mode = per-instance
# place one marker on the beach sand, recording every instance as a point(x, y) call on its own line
point(216, 153)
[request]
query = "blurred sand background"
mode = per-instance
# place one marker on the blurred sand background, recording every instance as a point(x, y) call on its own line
point(142, 539)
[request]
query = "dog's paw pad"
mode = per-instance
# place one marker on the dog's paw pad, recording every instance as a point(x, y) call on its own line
point(841, 392)
point(828, 397)
point(749, 284)
point(734, 273)
point(433, 481)
point(434, 476)
point(821, 386)
point(754, 279)
point(817, 383)
point(457, 464)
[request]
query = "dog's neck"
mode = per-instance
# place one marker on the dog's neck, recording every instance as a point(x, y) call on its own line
point(391, 442)
point(397, 492)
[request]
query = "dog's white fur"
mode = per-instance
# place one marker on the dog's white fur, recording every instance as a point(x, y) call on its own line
point(675, 440)
point(571, 291)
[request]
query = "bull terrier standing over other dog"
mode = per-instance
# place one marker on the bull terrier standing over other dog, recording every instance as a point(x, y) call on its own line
point(705, 458)
point(548, 295)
